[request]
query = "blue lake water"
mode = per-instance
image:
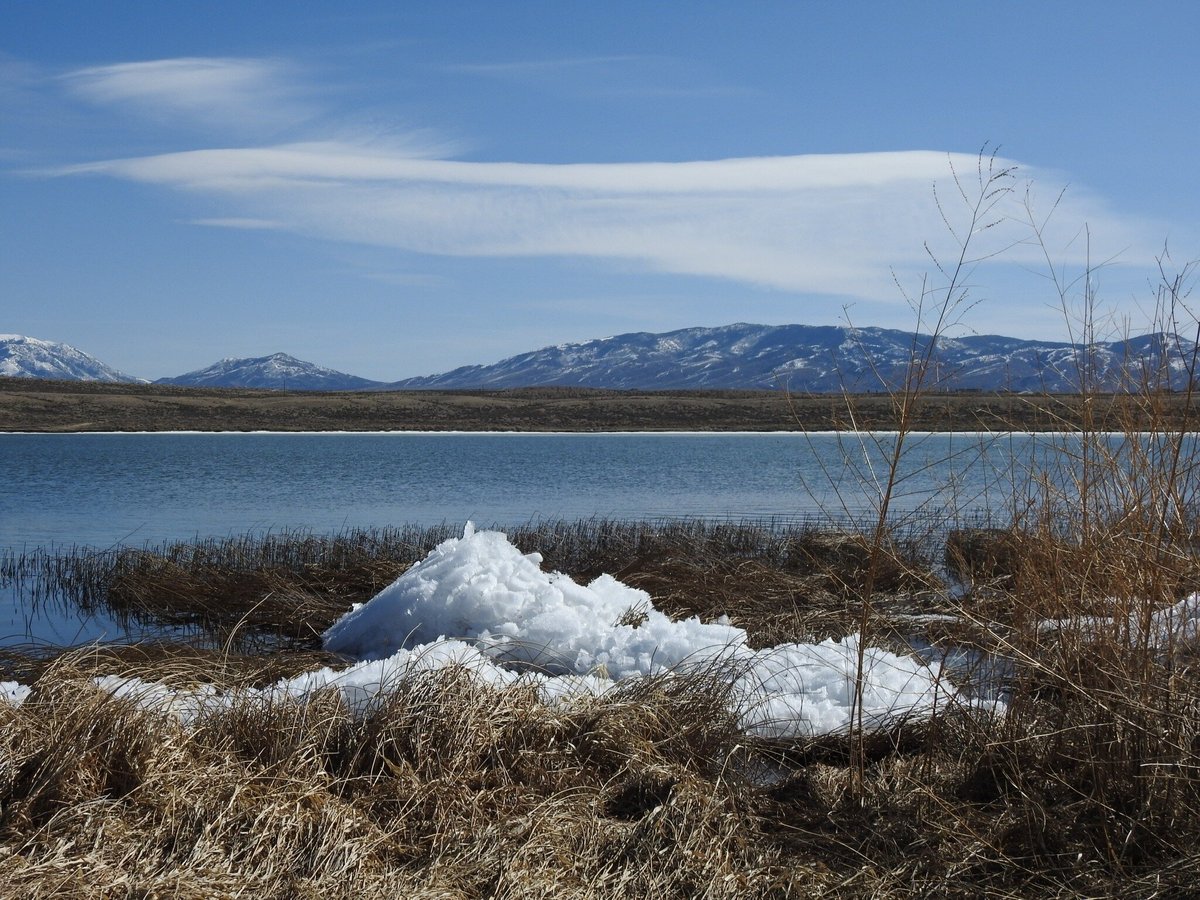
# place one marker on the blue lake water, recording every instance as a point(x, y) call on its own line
point(107, 490)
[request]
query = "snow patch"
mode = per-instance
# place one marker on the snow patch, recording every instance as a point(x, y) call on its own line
point(28, 357)
point(13, 693)
point(1173, 626)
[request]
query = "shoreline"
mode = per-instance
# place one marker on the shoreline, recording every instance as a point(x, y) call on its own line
point(876, 432)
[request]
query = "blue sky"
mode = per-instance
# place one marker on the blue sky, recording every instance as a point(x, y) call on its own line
point(399, 188)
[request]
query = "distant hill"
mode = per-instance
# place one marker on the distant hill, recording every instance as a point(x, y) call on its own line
point(816, 359)
point(27, 357)
point(798, 358)
point(278, 372)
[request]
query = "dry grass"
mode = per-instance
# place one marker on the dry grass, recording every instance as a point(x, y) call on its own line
point(69, 406)
point(449, 789)
point(1086, 787)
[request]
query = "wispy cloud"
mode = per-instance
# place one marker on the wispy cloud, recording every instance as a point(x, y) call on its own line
point(636, 76)
point(243, 222)
point(837, 224)
point(521, 68)
point(828, 224)
point(209, 91)
point(407, 279)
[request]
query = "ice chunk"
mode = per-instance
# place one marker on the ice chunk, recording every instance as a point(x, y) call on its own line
point(12, 692)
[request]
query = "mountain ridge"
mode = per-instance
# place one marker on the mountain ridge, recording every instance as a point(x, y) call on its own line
point(742, 356)
point(816, 359)
point(28, 357)
point(278, 371)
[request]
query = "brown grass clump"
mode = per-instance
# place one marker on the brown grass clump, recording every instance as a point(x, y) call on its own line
point(451, 788)
point(447, 789)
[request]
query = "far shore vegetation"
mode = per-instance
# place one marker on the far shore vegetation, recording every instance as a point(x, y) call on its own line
point(29, 405)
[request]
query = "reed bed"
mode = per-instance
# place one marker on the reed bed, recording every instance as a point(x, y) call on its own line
point(281, 591)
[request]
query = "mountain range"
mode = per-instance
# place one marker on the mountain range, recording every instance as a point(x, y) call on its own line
point(26, 357)
point(800, 358)
point(276, 372)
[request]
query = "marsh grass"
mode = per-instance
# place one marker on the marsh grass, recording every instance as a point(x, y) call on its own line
point(448, 788)
point(1086, 785)
point(281, 591)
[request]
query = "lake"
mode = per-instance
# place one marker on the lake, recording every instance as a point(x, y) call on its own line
point(106, 490)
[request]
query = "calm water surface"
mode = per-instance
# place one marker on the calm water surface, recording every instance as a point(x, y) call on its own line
point(108, 489)
point(105, 490)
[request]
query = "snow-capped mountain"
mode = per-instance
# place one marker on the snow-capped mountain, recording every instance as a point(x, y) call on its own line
point(819, 359)
point(278, 372)
point(800, 358)
point(26, 357)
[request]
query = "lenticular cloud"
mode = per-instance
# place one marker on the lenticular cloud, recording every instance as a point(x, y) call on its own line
point(503, 615)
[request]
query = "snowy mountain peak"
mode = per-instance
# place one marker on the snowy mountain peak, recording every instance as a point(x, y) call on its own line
point(27, 357)
point(742, 356)
point(818, 359)
point(279, 371)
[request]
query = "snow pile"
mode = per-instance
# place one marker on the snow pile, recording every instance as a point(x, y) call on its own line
point(363, 682)
point(477, 603)
point(481, 593)
point(481, 589)
point(360, 685)
point(1173, 626)
point(12, 692)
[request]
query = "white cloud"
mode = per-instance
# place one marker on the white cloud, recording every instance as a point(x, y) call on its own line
point(208, 91)
point(827, 224)
point(243, 222)
point(632, 76)
point(537, 66)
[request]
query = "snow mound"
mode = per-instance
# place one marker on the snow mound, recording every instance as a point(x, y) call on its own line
point(13, 693)
point(479, 605)
point(1175, 626)
point(482, 589)
point(480, 592)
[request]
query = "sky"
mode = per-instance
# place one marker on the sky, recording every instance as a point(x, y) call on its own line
point(397, 189)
